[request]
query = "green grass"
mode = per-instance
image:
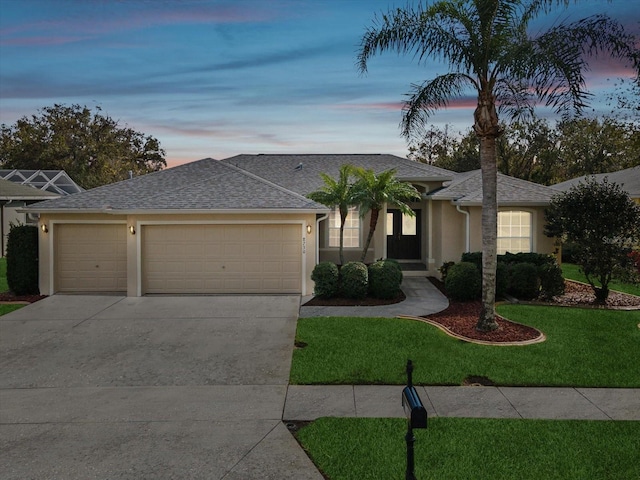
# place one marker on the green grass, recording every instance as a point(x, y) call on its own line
point(457, 448)
point(4, 309)
point(584, 347)
point(4, 286)
point(572, 272)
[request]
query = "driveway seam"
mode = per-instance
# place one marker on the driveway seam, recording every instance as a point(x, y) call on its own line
point(97, 313)
point(248, 452)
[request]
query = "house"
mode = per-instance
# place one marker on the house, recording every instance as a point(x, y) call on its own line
point(628, 179)
point(13, 197)
point(244, 225)
point(19, 188)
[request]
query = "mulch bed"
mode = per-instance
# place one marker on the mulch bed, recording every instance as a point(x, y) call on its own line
point(8, 297)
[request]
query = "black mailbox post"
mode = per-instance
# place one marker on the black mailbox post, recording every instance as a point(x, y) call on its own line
point(416, 418)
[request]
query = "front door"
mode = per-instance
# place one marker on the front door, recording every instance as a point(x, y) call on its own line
point(403, 235)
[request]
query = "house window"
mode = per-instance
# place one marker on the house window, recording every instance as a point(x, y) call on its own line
point(351, 228)
point(514, 232)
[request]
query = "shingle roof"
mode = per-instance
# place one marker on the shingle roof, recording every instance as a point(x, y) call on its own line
point(14, 191)
point(628, 179)
point(466, 189)
point(203, 185)
point(301, 173)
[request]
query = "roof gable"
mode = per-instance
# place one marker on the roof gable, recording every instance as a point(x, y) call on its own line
point(466, 189)
point(628, 179)
point(202, 185)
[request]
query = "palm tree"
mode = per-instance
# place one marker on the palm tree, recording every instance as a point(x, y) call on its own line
point(490, 52)
point(337, 193)
point(373, 191)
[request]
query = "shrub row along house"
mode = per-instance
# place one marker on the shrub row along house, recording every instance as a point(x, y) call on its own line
point(245, 225)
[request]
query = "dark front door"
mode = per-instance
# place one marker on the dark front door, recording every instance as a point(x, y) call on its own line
point(403, 235)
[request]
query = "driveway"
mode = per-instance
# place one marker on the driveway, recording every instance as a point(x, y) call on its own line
point(152, 387)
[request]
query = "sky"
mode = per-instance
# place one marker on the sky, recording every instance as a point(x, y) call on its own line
point(216, 78)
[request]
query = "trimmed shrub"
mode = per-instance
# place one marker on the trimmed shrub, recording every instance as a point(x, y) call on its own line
point(385, 278)
point(325, 275)
point(551, 280)
point(354, 280)
point(444, 270)
point(463, 282)
point(502, 279)
point(22, 260)
point(473, 257)
point(524, 283)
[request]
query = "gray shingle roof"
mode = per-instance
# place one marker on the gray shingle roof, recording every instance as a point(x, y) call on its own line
point(203, 185)
point(301, 173)
point(15, 191)
point(466, 189)
point(628, 179)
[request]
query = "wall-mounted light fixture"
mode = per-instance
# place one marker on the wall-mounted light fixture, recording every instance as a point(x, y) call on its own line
point(308, 228)
point(132, 230)
point(44, 228)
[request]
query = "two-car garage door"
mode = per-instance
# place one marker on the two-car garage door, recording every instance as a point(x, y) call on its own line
point(182, 259)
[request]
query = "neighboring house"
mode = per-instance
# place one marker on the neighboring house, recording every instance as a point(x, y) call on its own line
point(628, 179)
point(244, 225)
point(50, 184)
point(13, 197)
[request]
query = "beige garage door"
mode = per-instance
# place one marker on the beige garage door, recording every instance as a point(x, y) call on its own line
point(185, 259)
point(90, 258)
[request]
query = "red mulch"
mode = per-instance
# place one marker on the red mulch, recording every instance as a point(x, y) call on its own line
point(10, 297)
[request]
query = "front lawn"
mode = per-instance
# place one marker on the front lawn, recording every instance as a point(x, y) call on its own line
point(4, 286)
point(459, 448)
point(572, 272)
point(584, 347)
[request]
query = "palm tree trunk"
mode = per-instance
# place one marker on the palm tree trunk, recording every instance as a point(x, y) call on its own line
point(343, 220)
point(487, 320)
point(372, 228)
point(488, 129)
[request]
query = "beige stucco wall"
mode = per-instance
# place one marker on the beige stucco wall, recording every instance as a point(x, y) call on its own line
point(46, 240)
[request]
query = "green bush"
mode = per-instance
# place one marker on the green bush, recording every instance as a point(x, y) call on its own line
point(502, 279)
point(22, 260)
point(325, 275)
point(463, 282)
point(444, 270)
point(354, 280)
point(551, 280)
point(385, 278)
point(473, 257)
point(524, 283)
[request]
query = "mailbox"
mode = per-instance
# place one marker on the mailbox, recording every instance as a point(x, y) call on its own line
point(413, 408)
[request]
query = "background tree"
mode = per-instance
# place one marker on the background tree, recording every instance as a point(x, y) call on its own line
point(372, 192)
point(602, 222)
point(92, 148)
point(337, 194)
point(488, 49)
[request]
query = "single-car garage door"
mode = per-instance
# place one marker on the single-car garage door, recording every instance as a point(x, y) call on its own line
point(184, 259)
point(90, 258)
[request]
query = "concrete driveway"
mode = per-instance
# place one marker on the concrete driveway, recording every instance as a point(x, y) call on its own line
point(148, 388)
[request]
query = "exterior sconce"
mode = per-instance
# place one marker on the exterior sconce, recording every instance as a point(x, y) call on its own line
point(44, 228)
point(309, 229)
point(132, 230)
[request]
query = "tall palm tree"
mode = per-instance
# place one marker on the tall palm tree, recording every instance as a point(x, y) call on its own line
point(373, 191)
point(489, 51)
point(337, 194)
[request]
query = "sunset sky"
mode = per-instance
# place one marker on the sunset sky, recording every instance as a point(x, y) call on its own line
point(214, 78)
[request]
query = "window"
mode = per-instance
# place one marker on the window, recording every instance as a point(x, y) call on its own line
point(514, 232)
point(351, 228)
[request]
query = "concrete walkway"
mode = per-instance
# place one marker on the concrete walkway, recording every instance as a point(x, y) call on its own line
point(422, 299)
point(308, 402)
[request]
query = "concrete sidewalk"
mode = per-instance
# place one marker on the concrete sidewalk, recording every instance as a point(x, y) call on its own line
point(308, 402)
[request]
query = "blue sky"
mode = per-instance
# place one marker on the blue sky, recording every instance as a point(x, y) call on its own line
point(214, 78)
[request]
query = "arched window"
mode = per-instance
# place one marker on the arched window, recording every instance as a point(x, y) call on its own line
point(514, 232)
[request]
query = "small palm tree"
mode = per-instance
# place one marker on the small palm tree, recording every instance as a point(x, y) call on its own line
point(337, 193)
point(489, 50)
point(373, 191)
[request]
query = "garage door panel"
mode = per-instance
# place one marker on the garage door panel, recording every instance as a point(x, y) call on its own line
point(90, 258)
point(228, 259)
